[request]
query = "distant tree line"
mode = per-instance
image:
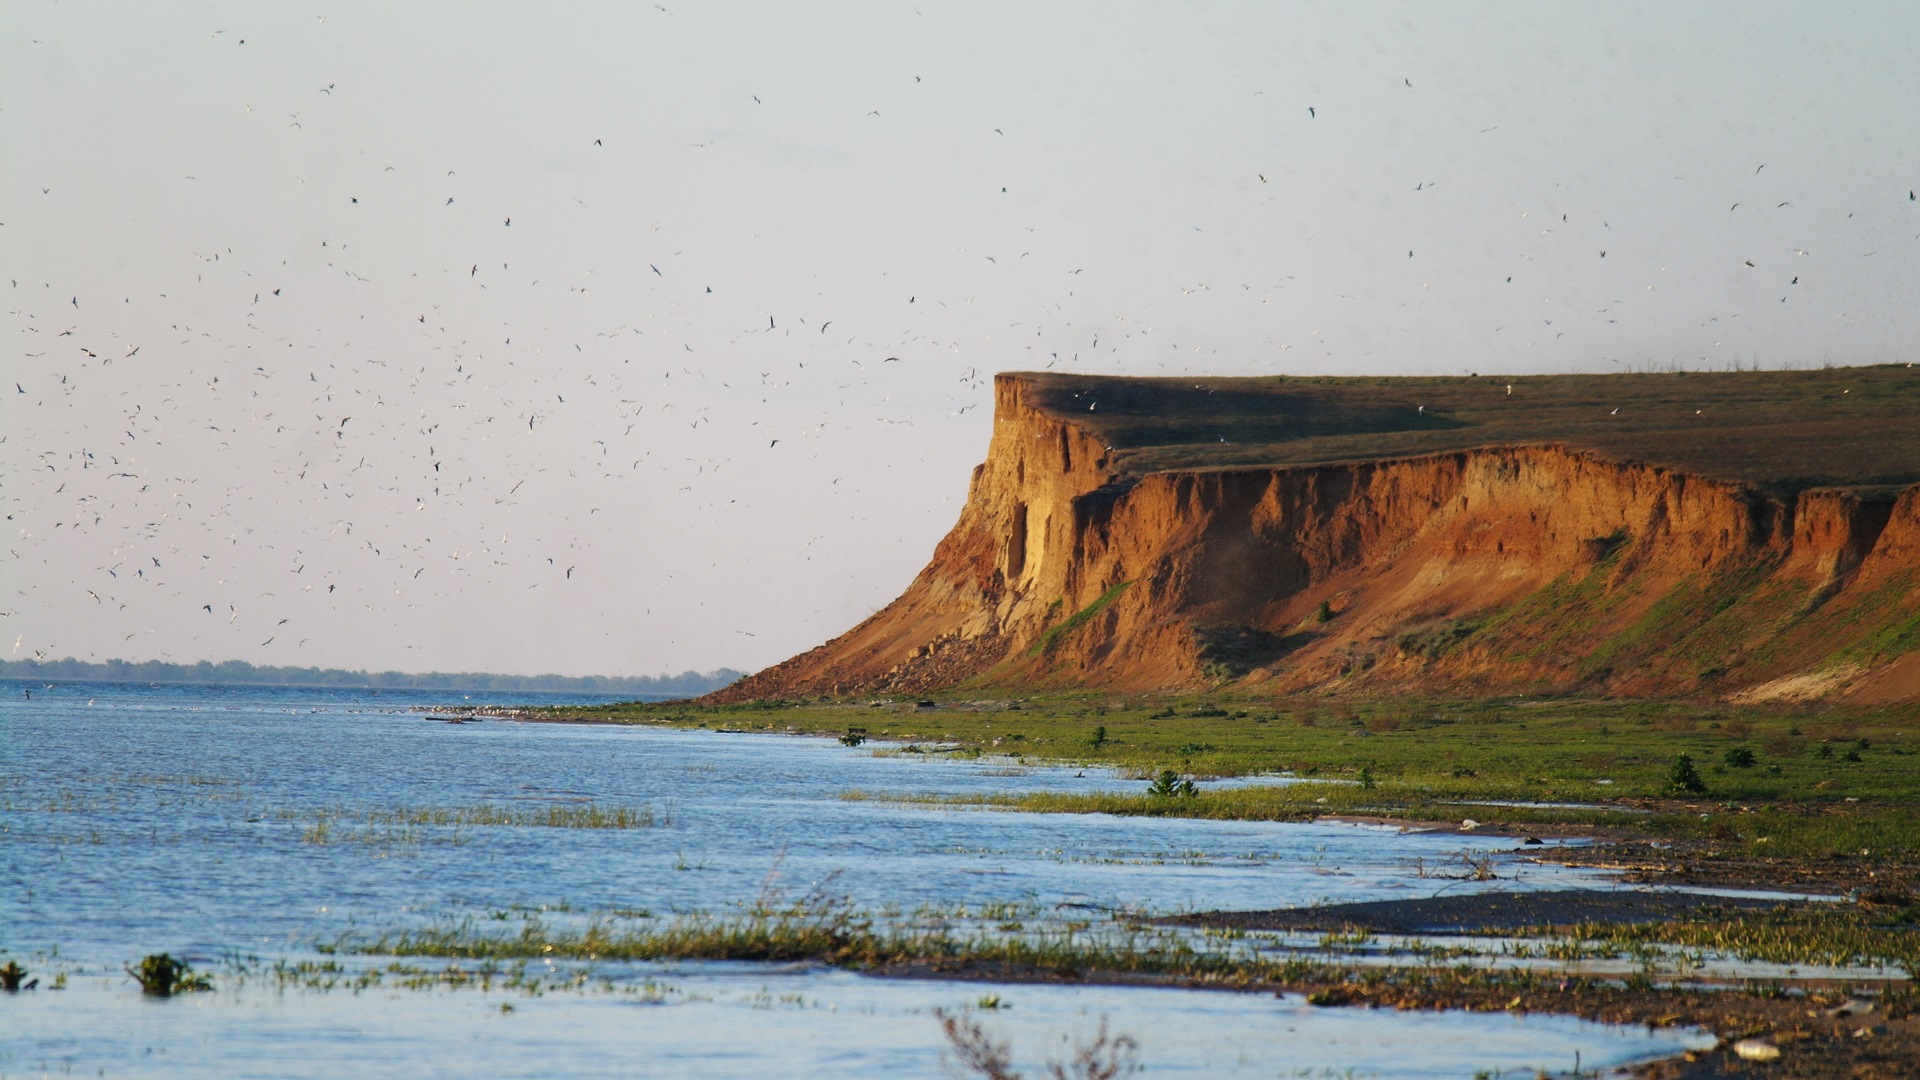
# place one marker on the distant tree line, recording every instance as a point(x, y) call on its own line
point(686, 683)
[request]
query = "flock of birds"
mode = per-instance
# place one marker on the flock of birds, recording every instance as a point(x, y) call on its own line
point(278, 439)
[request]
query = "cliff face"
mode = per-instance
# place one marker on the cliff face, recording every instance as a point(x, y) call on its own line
point(1481, 569)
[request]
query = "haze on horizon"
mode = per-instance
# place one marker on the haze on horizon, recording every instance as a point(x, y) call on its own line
point(624, 339)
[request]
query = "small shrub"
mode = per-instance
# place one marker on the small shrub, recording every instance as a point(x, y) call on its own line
point(162, 976)
point(13, 978)
point(1099, 736)
point(852, 738)
point(1325, 614)
point(1366, 778)
point(1738, 757)
point(1169, 784)
point(1684, 779)
point(1826, 751)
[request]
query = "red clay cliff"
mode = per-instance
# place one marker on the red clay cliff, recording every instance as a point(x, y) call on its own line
point(1749, 536)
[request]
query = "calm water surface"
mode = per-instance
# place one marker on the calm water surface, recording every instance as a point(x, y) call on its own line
point(138, 819)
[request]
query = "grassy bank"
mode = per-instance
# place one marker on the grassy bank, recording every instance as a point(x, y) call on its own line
point(1772, 783)
point(833, 933)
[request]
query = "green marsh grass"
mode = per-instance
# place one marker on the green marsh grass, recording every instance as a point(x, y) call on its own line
point(405, 824)
point(835, 933)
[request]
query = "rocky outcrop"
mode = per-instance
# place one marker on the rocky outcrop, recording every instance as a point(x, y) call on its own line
point(1539, 566)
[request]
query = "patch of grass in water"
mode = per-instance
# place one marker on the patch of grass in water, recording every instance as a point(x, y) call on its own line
point(406, 824)
point(160, 975)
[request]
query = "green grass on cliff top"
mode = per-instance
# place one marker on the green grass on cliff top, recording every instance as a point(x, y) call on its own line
point(1780, 430)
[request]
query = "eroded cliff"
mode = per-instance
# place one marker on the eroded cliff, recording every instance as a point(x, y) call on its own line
point(1231, 531)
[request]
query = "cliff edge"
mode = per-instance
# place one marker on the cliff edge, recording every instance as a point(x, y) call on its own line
point(1744, 535)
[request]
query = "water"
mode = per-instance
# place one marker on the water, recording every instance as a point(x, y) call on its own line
point(138, 819)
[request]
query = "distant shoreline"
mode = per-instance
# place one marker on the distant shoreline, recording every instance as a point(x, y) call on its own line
point(240, 673)
point(501, 696)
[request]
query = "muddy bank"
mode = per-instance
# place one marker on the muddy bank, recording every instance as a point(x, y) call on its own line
point(1490, 912)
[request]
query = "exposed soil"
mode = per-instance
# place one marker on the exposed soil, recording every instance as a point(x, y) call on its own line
point(1490, 912)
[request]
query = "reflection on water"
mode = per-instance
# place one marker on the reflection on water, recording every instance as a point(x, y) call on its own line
point(255, 820)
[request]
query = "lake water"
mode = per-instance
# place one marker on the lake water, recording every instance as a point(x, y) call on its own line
point(138, 819)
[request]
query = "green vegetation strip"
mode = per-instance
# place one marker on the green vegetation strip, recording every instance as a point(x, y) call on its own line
point(1772, 782)
point(835, 933)
point(404, 823)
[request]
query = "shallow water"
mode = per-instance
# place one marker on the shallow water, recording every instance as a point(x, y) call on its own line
point(137, 819)
point(718, 1020)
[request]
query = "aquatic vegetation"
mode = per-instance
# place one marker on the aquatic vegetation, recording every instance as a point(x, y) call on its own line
point(406, 825)
point(160, 975)
point(975, 1052)
point(12, 976)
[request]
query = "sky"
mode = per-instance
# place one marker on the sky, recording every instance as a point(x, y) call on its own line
point(629, 338)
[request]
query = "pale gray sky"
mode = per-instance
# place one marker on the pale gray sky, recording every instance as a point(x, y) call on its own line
point(227, 230)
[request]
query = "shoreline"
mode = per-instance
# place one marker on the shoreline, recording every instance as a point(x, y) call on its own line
point(1815, 1026)
point(1856, 1026)
point(1640, 858)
